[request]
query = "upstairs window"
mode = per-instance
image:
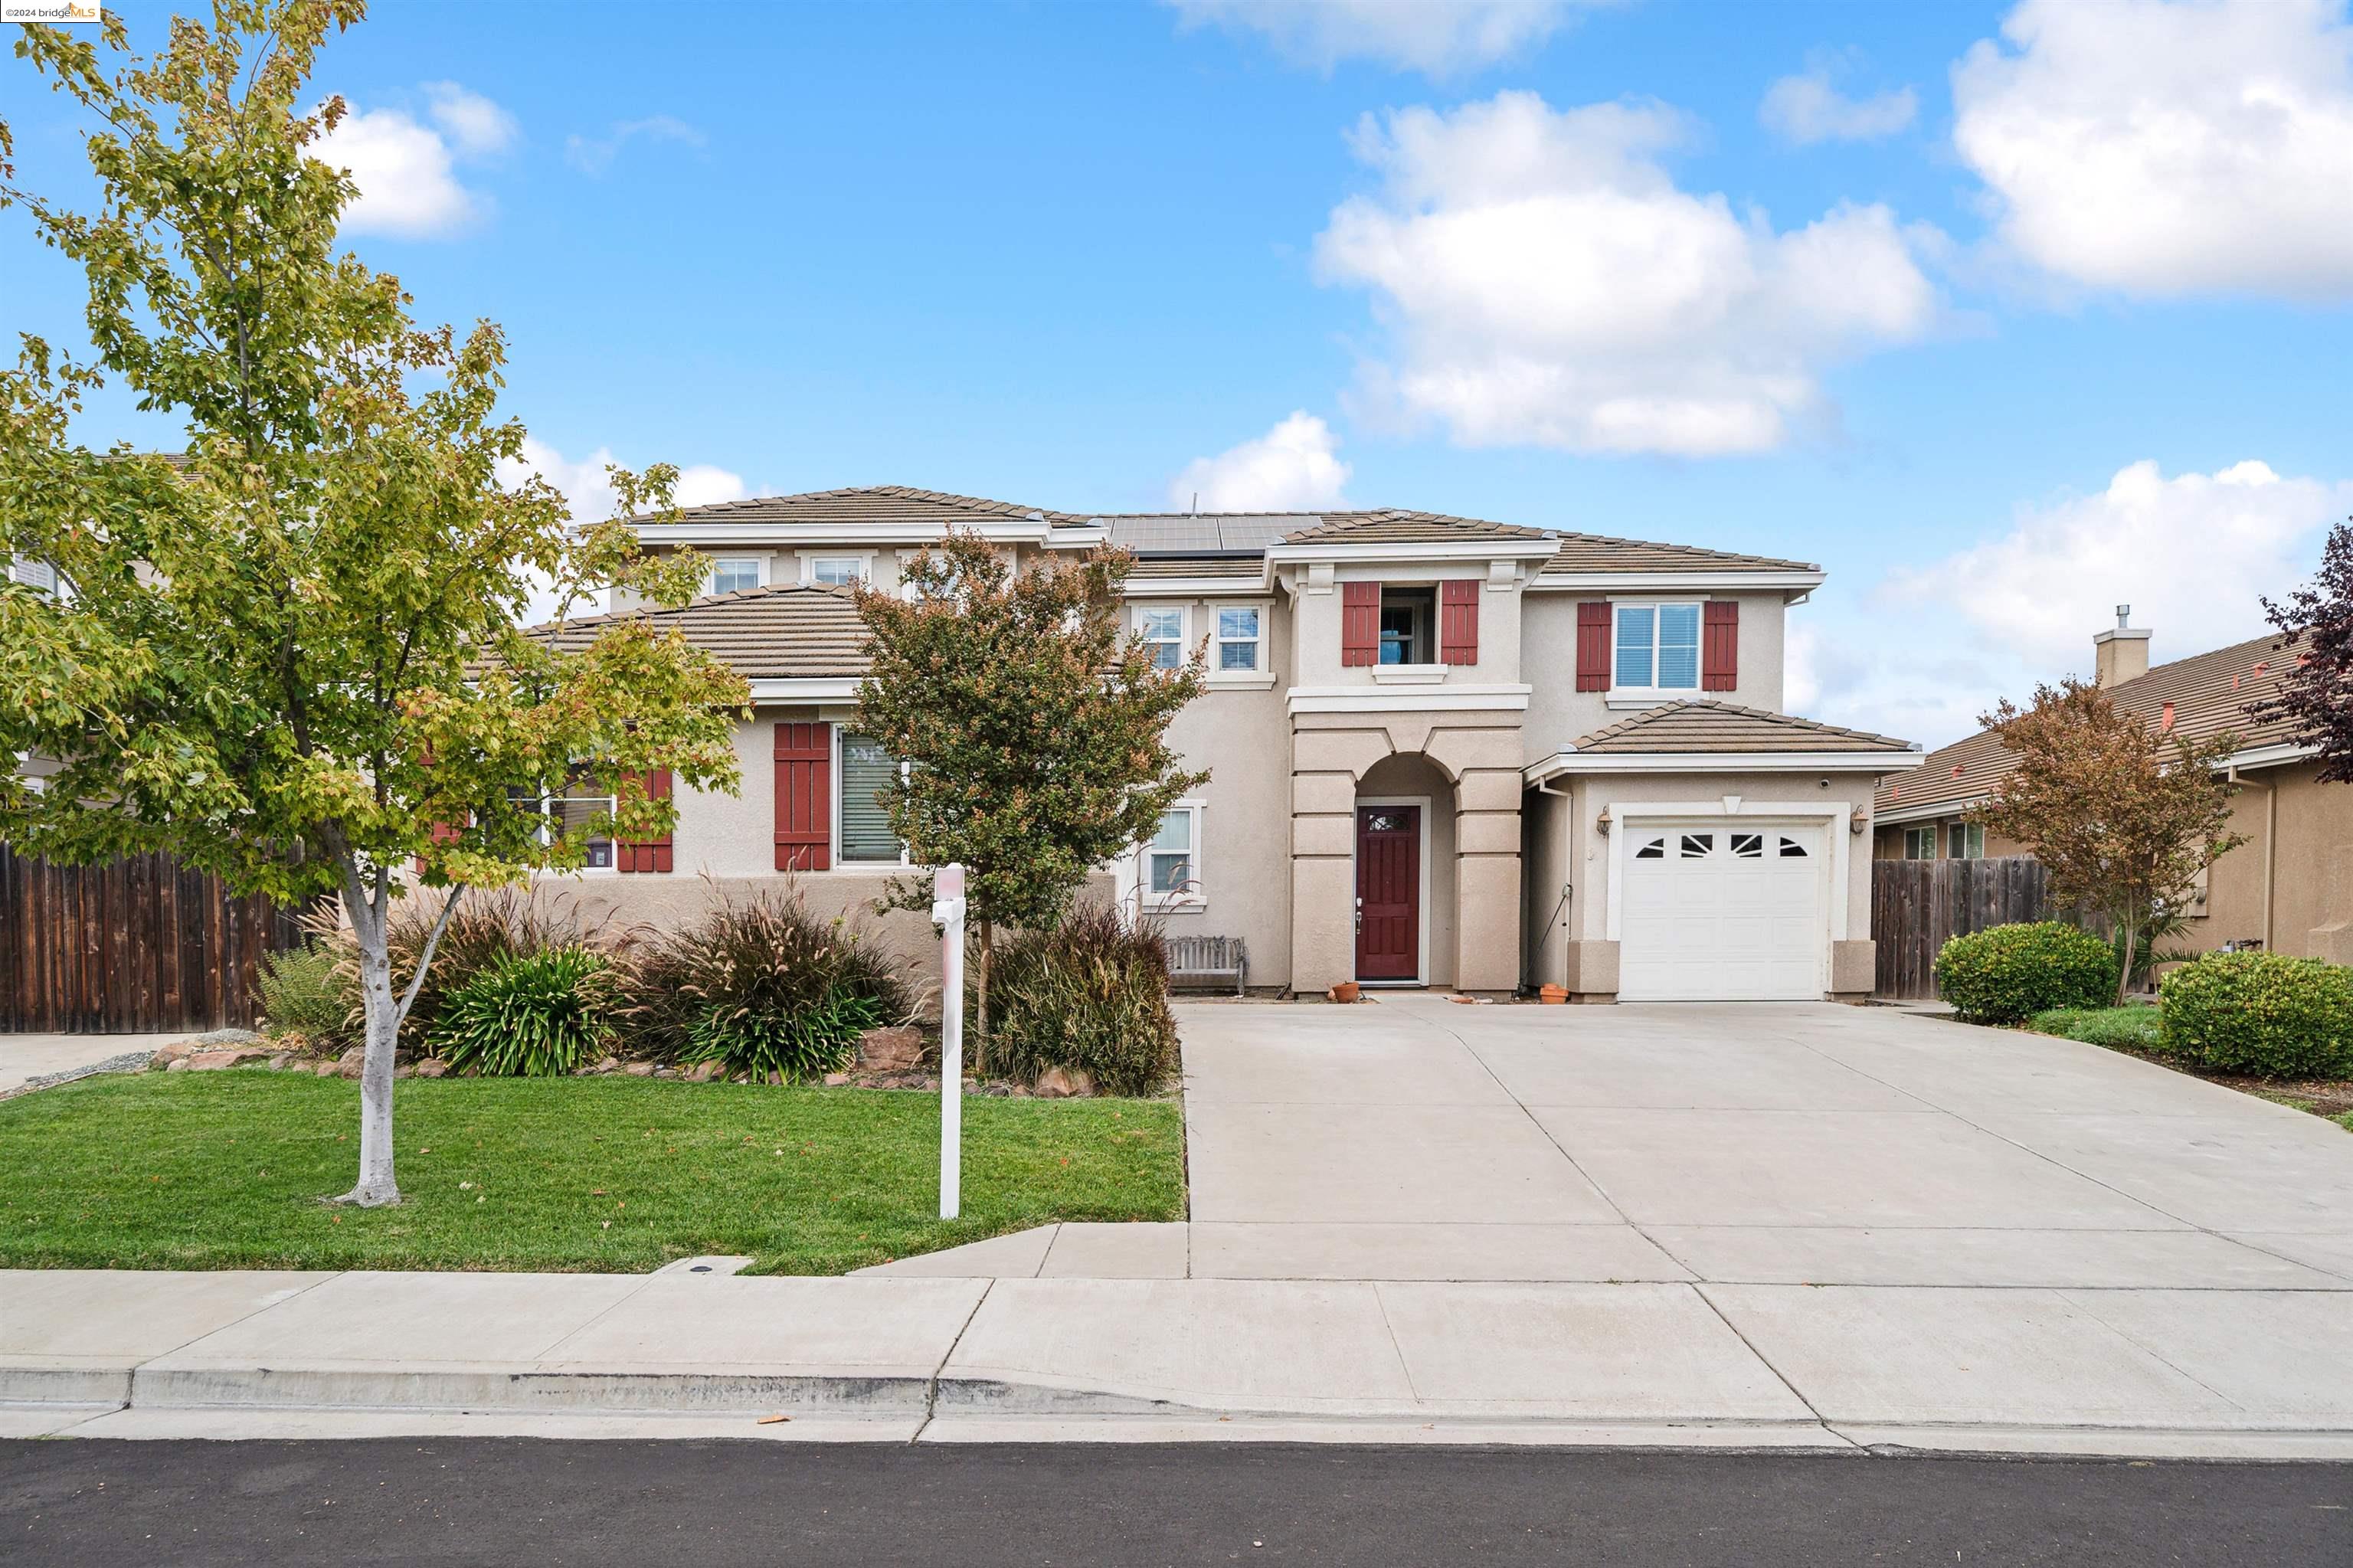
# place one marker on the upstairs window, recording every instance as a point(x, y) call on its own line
point(1238, 637)
point(837, 571)
point(39, 575)
point(1657, 647)
point(1407, 618)
point(735, 575)
point(1162, 631)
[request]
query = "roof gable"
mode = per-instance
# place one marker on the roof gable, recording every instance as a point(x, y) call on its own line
point(1702, 726)
point(764, 633)
point(868, 504)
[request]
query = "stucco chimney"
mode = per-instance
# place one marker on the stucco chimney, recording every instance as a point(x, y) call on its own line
point(2119, 653)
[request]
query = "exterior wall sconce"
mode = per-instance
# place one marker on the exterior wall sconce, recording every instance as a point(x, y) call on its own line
point(1601, 823)
point(1858, 824)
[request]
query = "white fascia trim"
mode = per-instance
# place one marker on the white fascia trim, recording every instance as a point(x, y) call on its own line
point(1563, 762)
point(1436, 550)
point(1012, 531)
point(2272, 756)
point(806, 689)
point(1499, 698)
point(1671, 582)
point(1922, 813)
point(1199, 587)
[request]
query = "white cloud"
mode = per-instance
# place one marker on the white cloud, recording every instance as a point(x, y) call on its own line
point(1438, 36)
point(1547, 284)
point(595, 157)
point(478, 127)
point(2168, 148)
point(2193, 554)
point(585, 485)
point(405, 169)
point(1807, 108)
point(1294, 467)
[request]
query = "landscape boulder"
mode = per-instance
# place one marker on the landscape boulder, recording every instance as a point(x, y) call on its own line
point(226, 1056)
point(895, 1050)
point(351, 1062)
point(431, 1067)
point(1064, 1083)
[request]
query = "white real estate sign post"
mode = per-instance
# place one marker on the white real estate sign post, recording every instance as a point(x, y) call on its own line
point(948, 913)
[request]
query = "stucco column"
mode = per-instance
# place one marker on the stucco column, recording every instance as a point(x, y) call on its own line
point(1324, 768)
point(1487, 873)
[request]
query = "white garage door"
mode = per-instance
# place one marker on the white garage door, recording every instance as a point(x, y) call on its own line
point(1722, 911)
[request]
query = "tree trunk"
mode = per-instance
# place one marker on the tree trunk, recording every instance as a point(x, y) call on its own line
point(2124, 977)
point(381, 1012)
point(981, 1005)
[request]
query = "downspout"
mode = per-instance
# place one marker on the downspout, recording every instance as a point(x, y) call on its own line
point(2271, 841)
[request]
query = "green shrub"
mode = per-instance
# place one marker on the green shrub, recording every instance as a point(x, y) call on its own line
point(763, 986)
point(486, 929)
point(2006, 973)
point(2132, 1028)
point(1091, 993)
point(306, 991)
point(2264, 1014)
point(530, 1015)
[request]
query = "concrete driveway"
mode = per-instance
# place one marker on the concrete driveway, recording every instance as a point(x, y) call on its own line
point(1417, 1139)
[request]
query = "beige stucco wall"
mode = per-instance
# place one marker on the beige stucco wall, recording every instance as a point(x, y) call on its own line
point(1558, 713)
point(2311, 867)
point(1318, 616)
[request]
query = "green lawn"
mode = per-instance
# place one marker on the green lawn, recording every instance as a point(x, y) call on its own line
point(225, 1170)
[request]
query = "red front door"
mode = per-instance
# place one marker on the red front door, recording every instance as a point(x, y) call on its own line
point(1388, 893)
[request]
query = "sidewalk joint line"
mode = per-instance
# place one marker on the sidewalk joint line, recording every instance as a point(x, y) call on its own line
point(932, 1385)
point(1700, 1290)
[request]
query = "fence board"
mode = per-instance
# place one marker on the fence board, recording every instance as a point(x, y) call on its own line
point(1916, 906)
point(137, 946)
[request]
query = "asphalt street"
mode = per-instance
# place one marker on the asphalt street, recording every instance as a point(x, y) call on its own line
point(95, 1504)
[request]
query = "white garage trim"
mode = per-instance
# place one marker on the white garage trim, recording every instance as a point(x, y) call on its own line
point(1626, 814)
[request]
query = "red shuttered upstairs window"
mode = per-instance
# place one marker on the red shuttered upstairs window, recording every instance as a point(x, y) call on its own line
point(1360, 623)
point(1593, 646)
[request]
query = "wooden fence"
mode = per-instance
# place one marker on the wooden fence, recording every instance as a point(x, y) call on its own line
point(137, 946)
point(1916, 905)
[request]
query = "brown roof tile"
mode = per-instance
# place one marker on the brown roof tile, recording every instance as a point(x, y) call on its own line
point(868, 504)
point(1397, 527)
point(2209, 692)
point(1711, 726)
point(1596, 553)
point(1236, 567)
point(764, 633)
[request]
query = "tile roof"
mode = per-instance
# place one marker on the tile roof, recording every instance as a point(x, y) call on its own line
point(868, 504)
point(1397, 527)
point(1230, 532)
point(1711, 726)
point(2209, 694)
point(764, 633)
point(1241, 568)
point(1597, 553)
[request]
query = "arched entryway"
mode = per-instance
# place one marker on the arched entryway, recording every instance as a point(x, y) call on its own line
point(1405, 873)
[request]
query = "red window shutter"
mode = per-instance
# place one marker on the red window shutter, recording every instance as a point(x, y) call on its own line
point(647, 854)
point(443, 833)
point(1458, 622)
point(1719, 645)
point(1360, 623)
point(804, 797)
point(1593, 646)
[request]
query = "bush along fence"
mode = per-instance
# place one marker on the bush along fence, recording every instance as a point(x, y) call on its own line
point(758, 989)
point(137, 946)
point(1918, 905)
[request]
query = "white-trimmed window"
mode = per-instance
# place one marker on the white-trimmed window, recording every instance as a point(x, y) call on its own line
point(837, 571)
point(868, 771)
point(1241, 628)
point(1169, 869)
point(1965, 840)
point(569, 814)
point(1163, 631)
point(735, 573)
point(1919, 843)
point(39, 575)
point(1655, 647)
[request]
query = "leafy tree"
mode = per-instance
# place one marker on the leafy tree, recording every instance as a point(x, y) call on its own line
point(1034, 725)
point(292, 657)
point(2123, 817)
point(2316, 693)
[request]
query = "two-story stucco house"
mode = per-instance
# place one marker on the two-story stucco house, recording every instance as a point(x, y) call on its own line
point(1442, 752)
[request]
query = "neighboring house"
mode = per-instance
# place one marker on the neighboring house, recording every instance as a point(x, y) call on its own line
point(2289, 886)
point(1442, 751)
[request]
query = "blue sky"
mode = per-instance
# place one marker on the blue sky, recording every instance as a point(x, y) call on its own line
point(1584, 266)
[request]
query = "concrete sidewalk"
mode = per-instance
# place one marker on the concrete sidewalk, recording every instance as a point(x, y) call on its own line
point(2226, 1374)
